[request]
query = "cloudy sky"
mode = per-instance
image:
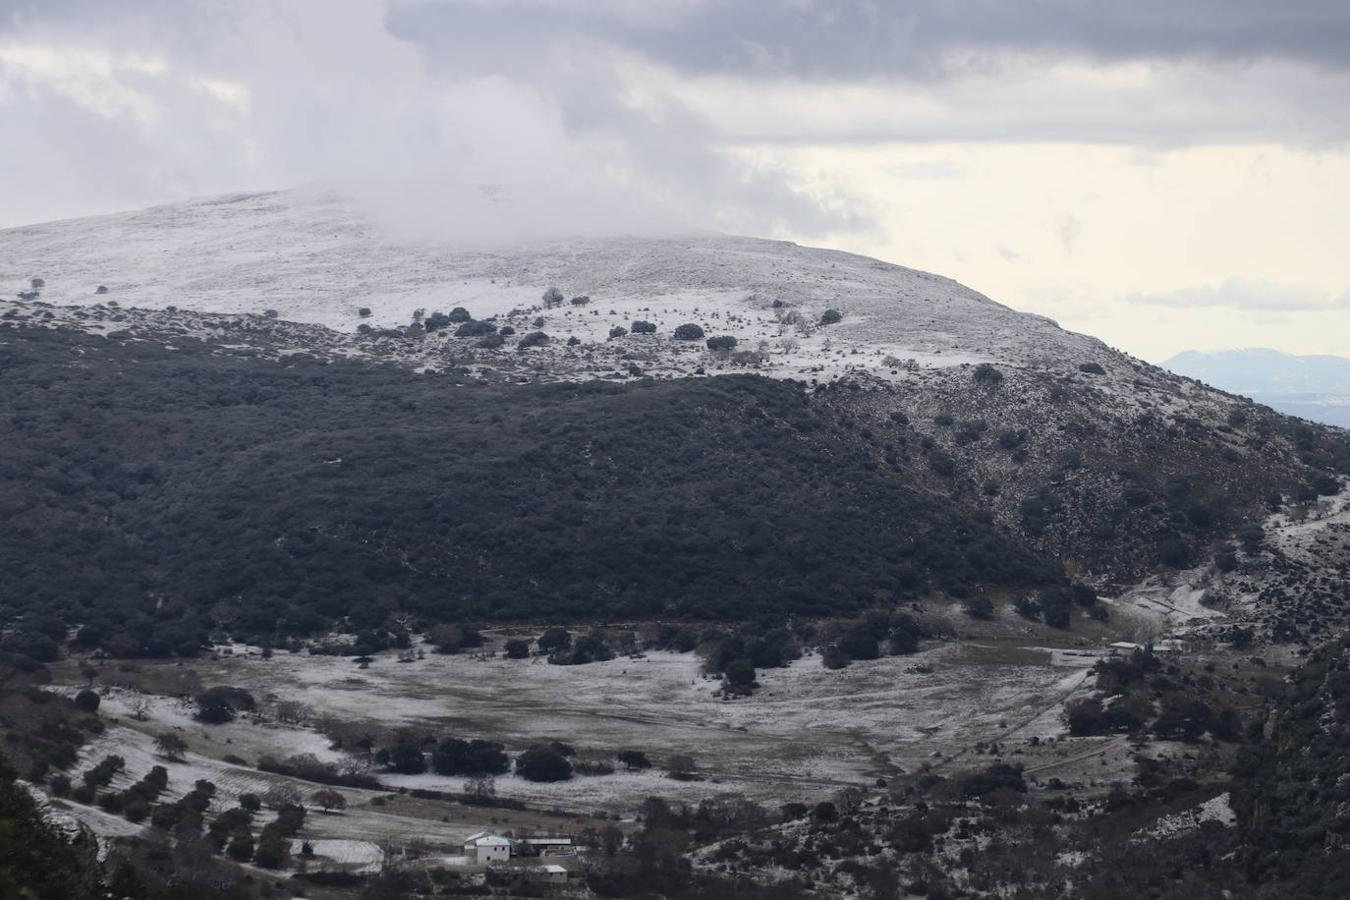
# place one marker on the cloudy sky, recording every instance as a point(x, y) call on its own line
point(1164, 174)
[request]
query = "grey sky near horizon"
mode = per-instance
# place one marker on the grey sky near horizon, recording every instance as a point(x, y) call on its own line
point(1163, 175)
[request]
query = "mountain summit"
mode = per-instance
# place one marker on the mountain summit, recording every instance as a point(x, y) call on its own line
point(319, 258)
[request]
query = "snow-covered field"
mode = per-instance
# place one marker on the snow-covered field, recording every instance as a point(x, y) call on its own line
point(806, 733)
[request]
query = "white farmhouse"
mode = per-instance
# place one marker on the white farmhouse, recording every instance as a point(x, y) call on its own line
point(486, 847)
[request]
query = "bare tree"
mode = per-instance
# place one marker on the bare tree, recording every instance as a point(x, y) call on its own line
point(279, 795)
point(481, 788)
point(611, 839)
point(848, 799)
point(139, 705)
point(291, 712)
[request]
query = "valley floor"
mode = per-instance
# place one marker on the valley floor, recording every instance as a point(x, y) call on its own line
point(804, 735)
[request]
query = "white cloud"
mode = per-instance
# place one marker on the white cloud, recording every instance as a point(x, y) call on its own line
point(1242, 293)
point(197, 98)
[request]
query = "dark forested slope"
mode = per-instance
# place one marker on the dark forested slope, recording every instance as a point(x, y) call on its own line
point(1292, 791)
point(154, 493)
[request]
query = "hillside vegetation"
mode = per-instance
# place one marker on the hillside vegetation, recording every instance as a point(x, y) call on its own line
point(1292, 790)
point(154, 494)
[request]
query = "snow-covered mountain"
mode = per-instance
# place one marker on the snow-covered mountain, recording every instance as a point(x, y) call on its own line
point(317, 258)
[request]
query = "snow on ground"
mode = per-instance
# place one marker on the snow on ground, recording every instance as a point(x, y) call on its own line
point(357, 856)
point(362, 820)
point(1216, 809)
point(317, 258)
point(1305, 537)
point(1172, 599)
point(248, 736)
point(136, 747)
point(1301, 558)
point(806, 732)
point(69, 817)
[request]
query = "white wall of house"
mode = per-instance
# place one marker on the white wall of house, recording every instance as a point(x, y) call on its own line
point(490, 849)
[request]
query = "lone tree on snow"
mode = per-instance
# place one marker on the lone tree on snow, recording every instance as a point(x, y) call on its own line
point(170, 746)
point(328, 799)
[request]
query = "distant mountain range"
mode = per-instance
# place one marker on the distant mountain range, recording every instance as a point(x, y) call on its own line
point(1311, 387)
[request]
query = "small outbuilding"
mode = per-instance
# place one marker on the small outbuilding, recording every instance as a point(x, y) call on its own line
point(550, 846)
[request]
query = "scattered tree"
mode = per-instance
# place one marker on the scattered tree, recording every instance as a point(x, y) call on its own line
point(979, 607)
point(476, 329)
point(273, 849)
point(281, 795)
point(218, 705)
point(241, 846)
point(170, 746)
point(533, 339)
point(436, 321)
point(634, 760)
point(328, 799)
point(681, 767)
point(543, 763)
point(554, 638)
point(987, 374)
point(453, 756)
point(481, 789)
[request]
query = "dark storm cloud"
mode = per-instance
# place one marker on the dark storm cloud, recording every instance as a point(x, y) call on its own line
point(1217, 71)
point(852, 39)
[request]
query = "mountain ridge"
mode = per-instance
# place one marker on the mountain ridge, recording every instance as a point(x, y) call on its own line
point(1043, 437)
point(319, 258)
